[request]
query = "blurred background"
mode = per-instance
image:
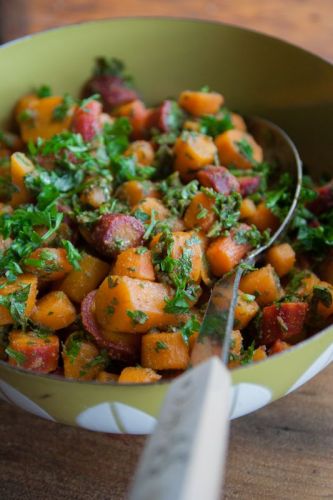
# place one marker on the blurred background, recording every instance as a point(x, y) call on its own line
point(308, 23)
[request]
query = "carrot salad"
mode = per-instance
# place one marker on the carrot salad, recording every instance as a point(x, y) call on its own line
point(118, 218)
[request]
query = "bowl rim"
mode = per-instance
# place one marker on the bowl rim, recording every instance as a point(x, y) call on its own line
point(111, 383)
point(171, 19)
point(190, 19)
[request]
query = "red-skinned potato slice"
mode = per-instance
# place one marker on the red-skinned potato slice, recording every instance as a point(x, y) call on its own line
point(283, 322)
point(120, 347)
point(218, 178)
point(114, 233)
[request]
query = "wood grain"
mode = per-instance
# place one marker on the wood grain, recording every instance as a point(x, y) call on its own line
point(308, 23)
point(281, 452)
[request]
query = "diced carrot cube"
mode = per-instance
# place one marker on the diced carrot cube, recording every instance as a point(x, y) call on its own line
point(164, 351)
point(33, 352)
point(138, 375)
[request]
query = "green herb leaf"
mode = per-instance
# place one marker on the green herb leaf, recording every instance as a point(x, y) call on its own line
point(44, 91)
point(214, 125)
point(191, 326)
point(73, 254)
point(19, 357)
point(160, 346)
point(62, 110)
point(137, 317)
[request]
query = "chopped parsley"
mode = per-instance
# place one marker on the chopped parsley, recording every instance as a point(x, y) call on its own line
point(61, 111)
point(176, 195)
point(177, 272)
point(20, 226)
point(160, 346)
point(251, 236)
point(72, 346)
point(247, 354)
point(215, 125)
point(73, 255)
point(191, 326)
point(137, 317)
point(246, 150)
point(226, 209)
point(113, 67)
point(44, 91)
point(19, 357)
point(141, 250)
point(323, 295)
point(27, 115)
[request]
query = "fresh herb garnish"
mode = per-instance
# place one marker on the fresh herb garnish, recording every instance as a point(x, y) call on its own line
point(176, 195)
point(73, 255)
point(160, 346)
point(16, 303)
point(19, 357)
point(44, 91)
point(191, 326)
point(247, 355)
point(246, 150)
point(137, 317)
point(61, 111)
point(323, 295)
point(215, 125)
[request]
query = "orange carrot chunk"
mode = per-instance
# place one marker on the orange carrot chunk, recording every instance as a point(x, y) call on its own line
point(20, 166)
point(264, 283)
point(25, 283)
point(245, 310)
point(78, 283)
point(259, 354)
point(325, 307)
point(247, 209)
point(135, 263)
point(200, 212)
point(135, 191)
point(282, 257)
point(81, 358)
point(137, 113)
point(43, 117)
point(138, 375)
point(33, 352)
point(238, 148)
point(225, 253)
point(152, 205)
point(192, 152)
point(164, 351)
point(50, 264)
point(263, 218)
point(278, 346)
point(142, 151)
point(54, 311)
point(131, 305)
point(200, 103)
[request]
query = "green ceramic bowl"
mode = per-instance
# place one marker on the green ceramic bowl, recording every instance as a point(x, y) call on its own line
point(258, 75)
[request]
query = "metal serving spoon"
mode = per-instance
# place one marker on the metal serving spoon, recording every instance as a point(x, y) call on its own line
point(184, 457)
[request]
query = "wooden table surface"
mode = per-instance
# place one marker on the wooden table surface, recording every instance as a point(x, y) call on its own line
point(284, 451)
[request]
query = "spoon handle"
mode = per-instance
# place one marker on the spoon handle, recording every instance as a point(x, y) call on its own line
point(184, 458)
